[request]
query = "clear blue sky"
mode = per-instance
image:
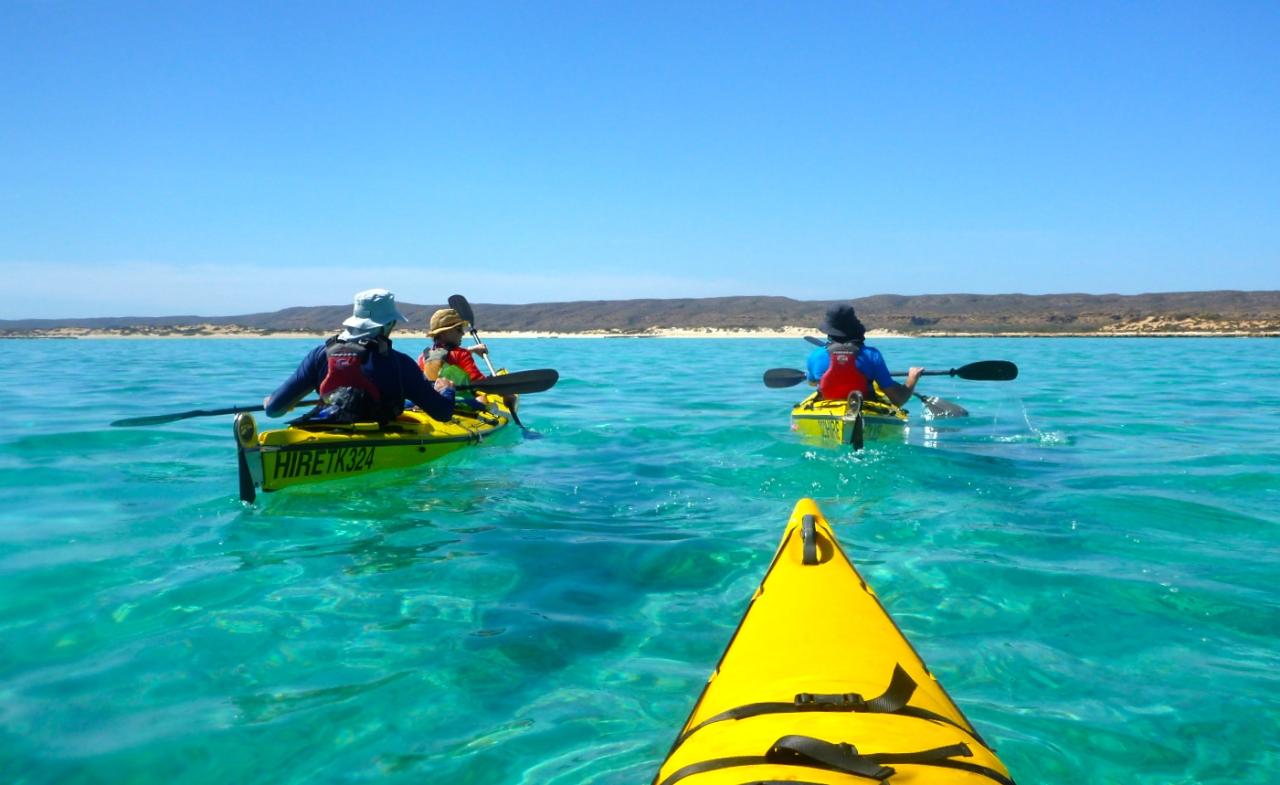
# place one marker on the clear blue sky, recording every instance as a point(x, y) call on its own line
point(220, 158)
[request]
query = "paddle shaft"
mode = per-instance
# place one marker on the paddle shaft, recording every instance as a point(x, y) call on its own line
point(459, 303)
point(533, 381)
point(476, 336)
point(984, 370)
point(981, 371)
point(161, 419)
point(951, 372)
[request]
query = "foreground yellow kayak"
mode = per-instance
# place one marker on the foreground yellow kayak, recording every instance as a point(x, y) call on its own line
point(836, 421)
point(277, 459)
point(819, 686)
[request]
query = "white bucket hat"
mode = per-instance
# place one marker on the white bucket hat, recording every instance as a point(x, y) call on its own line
point(374, 309)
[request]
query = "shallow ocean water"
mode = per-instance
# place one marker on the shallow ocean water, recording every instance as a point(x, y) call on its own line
point(1090, 564)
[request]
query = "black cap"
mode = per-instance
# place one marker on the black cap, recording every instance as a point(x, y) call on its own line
point(842, 324)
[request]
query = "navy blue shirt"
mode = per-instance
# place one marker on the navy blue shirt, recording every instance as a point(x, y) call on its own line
point(396, 374)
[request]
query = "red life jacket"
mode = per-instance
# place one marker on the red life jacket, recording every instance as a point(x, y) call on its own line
point(843, 376)
point(346, 369)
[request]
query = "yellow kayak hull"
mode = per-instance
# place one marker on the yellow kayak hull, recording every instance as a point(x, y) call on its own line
point(296, 455)
point(817, 658)
point(832, 421)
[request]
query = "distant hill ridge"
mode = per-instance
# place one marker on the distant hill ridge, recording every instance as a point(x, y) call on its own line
point(1255, 312)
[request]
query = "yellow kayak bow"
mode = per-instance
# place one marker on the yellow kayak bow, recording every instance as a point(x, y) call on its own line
point(819, 686)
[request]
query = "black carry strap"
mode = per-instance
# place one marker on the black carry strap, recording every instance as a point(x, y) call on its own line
point(811, 753)
point(845, 758)
point(816, 753)
point(893, 701)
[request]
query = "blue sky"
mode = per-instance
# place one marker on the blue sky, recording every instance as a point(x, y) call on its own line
point(221, 158)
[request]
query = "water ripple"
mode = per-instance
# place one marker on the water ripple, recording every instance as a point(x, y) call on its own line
point(1090, 570)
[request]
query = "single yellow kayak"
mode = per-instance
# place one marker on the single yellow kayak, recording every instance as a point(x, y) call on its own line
point(835, 421)
point(296, 455)
point(820, 686)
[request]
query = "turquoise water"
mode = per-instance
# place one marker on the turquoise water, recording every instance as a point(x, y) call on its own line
point(1090, 564)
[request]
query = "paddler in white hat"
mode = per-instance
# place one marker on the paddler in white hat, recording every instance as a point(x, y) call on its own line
point(359, 376)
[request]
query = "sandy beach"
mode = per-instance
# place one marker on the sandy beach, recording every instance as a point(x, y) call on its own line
point(219, 331)
point(1149, 329)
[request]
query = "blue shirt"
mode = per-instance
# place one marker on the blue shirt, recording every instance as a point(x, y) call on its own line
point(870, 362)
point(396, 374)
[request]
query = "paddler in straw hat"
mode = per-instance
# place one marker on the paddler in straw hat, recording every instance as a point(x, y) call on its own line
point(448, 359)
point(359, 376)
point(446, 356)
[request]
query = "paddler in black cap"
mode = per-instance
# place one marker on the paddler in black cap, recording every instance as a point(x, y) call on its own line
point(846, 364)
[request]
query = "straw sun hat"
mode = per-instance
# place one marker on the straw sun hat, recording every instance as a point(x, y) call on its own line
point(444, 320)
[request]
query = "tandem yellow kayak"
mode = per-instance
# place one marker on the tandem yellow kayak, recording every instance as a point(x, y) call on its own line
point(819, 686)
point(299, 454)
point(836, 421)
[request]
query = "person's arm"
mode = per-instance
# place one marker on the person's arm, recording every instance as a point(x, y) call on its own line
point(817, 364)
point(304, 379)
point(462, 358)
point(872, 365)
point(901, 393)
point(437, 405)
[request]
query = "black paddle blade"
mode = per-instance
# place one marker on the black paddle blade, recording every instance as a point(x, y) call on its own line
point(815, 341)
point(783, 377)
point(459, 303)
point(941, 407)
point(537, 380)
point(987, 371)
point(247, 492)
